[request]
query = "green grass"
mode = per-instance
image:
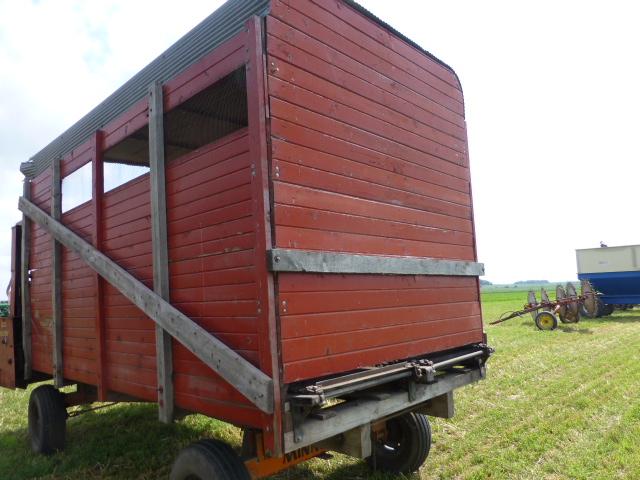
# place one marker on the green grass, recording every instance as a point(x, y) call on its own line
point(555, 405)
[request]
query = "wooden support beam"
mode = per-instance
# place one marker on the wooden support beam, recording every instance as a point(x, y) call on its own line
point(295, 260)
point(238, 372)
point(97, 175)
point(164, 352)
point(26, 287)
point(56, 280)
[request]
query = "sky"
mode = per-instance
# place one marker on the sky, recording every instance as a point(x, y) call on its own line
point(551, 97)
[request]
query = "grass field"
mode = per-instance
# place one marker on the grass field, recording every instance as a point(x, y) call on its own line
point(555, 405)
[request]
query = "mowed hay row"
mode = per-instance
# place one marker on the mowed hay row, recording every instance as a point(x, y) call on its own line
point(555, 405)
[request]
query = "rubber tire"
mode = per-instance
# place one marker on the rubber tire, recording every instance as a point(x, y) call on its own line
point(539, 323)
point(607, 309)
point(414, 445)
point(209, 460)
point(47, 420)
point(584, 313)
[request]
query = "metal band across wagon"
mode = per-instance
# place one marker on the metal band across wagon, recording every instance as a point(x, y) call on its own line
point(272, 225)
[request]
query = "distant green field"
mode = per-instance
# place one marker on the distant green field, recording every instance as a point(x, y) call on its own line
point(555, 405)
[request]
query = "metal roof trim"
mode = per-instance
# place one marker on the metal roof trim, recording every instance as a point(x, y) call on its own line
point(217, 28)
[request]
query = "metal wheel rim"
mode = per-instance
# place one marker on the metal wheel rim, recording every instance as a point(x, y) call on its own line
point(544, 320)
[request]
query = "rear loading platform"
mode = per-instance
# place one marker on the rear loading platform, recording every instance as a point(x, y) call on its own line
point(271, 225)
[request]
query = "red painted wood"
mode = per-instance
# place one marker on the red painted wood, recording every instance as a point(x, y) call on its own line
point(362, 358)
point(315, 178)
point(39, 264)
point(333, 31)
point(323, 346)
point(318, 159)
point(310, 239)
point(352, 24)
point(294, 32)
point(379, 124)
point(390, 41)
point(421, 167)
point(357, 136)
point(294, 59)
point(285, 193)
point(321, 220)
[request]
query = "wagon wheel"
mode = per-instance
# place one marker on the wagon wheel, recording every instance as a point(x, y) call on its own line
point(590, 302)
point(544, 298)
point(531, 298)
point(573, 308)
point(562, 309)
point(546, 321)
point(47, 420)
point(405, 445)
point(209, 460)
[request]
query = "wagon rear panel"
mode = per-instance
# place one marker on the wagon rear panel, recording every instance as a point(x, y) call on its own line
point(369, 156)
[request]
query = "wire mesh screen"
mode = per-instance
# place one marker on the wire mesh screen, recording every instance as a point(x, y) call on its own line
point(211, 114)
point(207, 116)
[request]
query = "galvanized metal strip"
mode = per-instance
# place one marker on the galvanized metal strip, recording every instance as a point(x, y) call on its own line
point(164, 354)
point(238, 372)
point(352, 414)
point(290, 260)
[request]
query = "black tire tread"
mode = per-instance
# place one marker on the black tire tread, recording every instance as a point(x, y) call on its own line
point(53, 420)
point(221, 462)
point(420, 445)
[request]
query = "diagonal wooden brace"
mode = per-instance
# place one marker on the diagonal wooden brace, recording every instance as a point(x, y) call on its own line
point(242, 375)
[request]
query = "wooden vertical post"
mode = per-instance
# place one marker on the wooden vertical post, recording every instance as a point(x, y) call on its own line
point(97, 168)
point(261, 203)
point(26, 287)
point(56, 280)
point(160, 248)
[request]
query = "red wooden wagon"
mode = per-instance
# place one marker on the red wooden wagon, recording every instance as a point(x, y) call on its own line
point(271, 224)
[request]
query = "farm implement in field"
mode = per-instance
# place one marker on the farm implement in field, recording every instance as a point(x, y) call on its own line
point(567, 306)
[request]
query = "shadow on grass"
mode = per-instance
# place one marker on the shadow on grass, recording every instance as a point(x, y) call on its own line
point(620, 318)
point(332, 470)
point(125, 441)
point(573, 329)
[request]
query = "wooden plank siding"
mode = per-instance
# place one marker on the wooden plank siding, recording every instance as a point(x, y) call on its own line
point(129, 334)
point(212, 268)
point(78, 303)
point(369, 156)
point(40, 268)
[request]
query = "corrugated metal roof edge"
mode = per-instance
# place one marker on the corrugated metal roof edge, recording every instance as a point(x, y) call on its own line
point(161, 69)
point(220, 26)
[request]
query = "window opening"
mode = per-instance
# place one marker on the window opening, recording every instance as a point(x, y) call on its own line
point(208, 116)
point(77, 188)
point(126, 160)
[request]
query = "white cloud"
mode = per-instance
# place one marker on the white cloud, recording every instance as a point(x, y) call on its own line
point(58, 60)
